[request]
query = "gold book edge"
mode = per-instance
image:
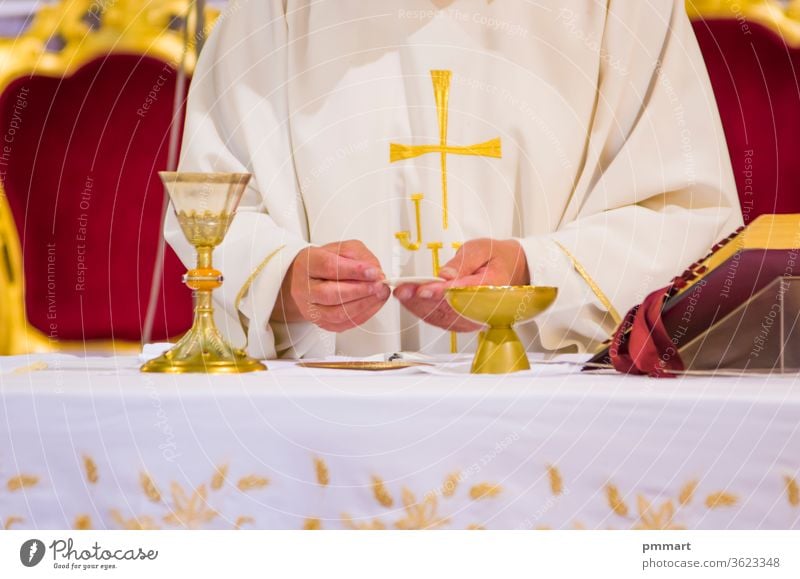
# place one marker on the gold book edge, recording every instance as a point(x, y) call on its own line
point(768, 232)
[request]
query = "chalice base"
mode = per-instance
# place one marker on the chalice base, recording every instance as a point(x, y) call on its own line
point(203, 353)
point(499, 352)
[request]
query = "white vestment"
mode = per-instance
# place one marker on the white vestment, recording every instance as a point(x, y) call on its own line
point(614, 174)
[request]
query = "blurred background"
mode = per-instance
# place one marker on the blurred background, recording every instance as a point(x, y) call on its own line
point(92, 96)
point(15, 15)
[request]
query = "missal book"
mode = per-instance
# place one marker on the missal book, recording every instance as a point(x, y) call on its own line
point(736, 309)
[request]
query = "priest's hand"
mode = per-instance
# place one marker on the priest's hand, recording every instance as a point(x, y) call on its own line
point(337, 287)
point(477, 262)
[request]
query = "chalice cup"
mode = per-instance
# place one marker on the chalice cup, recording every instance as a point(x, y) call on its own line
point(500, 307)
point(205, 204)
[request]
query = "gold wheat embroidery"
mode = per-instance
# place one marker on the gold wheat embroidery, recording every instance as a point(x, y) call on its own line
point(144, 523)
point(190, 512)
point(218, 480)
point(451, 484)
point(323, 474)
point(90, 467)
point(22, 481)
point(242, 521)
point(252, 482)
point(312, 524)
point(149, 488)
point(373, 525)
point(615, 501)
point(420, 515)
point(475, 527)
point(652, 519)
point(82, 523)
point(556, 480)
point(484, 491)
point(721, 499)
point(381, 493)
point(686, 493)
point(792, 491)
point(11, 521)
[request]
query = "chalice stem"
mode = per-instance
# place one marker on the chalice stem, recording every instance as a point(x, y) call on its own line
point(203, 312)
point(203, 281)
point(203, 303)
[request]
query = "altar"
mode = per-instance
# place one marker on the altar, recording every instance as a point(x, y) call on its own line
point(90, 442)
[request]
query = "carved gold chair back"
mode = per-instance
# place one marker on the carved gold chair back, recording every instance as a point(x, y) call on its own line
point(60, 40)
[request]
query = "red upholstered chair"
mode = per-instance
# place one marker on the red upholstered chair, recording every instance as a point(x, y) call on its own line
point(86, 101)
point(752, 52)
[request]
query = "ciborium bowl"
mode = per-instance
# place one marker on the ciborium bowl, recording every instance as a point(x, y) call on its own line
point(500, 307)
point(205, 205)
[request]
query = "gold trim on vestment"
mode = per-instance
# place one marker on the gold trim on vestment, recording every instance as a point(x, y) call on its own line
point(243, 322)
point(441, 92)
point(601, 296)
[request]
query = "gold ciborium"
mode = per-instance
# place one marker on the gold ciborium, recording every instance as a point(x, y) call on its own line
point(500, 307)
point(204, 204)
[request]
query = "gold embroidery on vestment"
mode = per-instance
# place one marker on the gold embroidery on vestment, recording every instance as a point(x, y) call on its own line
point(599, 293)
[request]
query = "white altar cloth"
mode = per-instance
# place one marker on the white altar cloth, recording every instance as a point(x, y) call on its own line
point(92, 443)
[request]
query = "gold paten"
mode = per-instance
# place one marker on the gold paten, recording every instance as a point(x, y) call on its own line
point(362, 365)
point(205, 204)
point(500, 307)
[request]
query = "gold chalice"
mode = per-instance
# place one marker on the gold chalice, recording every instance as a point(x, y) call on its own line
point(500, 307)
point(205, 204)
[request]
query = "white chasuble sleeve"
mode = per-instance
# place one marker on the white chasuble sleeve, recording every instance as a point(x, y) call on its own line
point(237, 121)
point(655, 190)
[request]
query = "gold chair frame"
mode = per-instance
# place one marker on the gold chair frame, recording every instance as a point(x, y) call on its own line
point(140, 27)
point(781, 17)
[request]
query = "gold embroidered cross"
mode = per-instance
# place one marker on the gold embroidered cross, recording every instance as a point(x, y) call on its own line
point(441, 91)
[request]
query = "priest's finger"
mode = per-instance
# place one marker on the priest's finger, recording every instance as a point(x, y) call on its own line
point(354, 249)
point(364, 311)
point(331, 293)
point(325, 264)
point(430, 291)
point(348, 316)
point(406, 291)
point(437, 290)
point(469, 258)
point(482, 277)
point(438, 313)
point(443, 316)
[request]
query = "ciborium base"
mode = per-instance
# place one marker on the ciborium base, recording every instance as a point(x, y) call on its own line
point(499, 352)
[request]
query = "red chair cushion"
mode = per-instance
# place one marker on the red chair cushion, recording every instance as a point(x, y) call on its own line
point(79, 168)
point(755, 79)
